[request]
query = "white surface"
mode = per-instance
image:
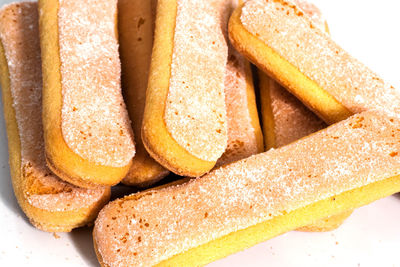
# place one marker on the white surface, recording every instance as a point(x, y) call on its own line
point(370, 237)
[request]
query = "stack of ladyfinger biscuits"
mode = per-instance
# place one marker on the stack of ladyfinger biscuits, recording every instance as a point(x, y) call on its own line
point(101, 92)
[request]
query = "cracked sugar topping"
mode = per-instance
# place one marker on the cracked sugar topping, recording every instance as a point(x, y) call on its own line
point(291, 34)
point(195, 112)
point(95, 124)
point(19, 36)
point(145, 229)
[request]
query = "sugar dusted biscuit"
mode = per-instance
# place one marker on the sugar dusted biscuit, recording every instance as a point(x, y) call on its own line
point(88, 137)
point(340, 168)
point(286, 119)
point(244, 131)
point(285, 43)
point(50, 203)
point(184, 124)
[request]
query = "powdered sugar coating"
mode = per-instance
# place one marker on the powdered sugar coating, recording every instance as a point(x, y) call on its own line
point(292, 120)
point(66, 200)
point(195, 112)
point(24, 66)
point(242, 140)
point(292, 35)
point(20, 38)
point(145, 229)
point(95, 123)
point(313, 12)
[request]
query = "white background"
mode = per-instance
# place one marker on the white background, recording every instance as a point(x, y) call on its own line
point(370, 237)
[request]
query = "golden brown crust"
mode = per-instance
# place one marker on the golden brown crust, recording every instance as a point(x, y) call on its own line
point(315, 98)
point(287, 45)
point(68, 164)
point(290, 119)
point(251, 99)
point(251, 200)
point(66, 221)
point(267, 114)
point(94, 121)
point(242, 239)
point(327, 224)
point(72, 180)
point(49, 203)
point(156, 137)
point(286, 119)
point(136, 29)
point(244, 131)
point(286, 29)
point(195, 113)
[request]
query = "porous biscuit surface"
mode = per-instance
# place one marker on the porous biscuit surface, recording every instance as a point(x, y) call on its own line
point(19, 36)
point(37, 185)
point(292, 119)
point(195, 112)
point(95, 124)
point(146, 229)
point(313, 12)
point(292, 35)
point(242, 140)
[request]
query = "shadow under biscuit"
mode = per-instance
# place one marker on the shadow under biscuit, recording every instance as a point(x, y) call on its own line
point(82, 239)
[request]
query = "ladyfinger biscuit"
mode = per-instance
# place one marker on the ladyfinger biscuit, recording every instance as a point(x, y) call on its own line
point(244, 131)
point(340, 168)
point(286, 119)
point(184, 124)
point(136, 28)
point(87, 133)
point(285, 43)
point(50, 203)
